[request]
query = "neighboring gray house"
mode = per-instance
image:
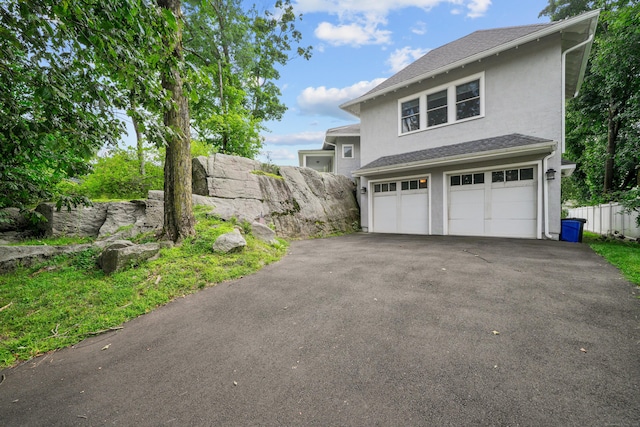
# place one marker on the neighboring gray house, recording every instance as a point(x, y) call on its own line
point(340, 152)
point(468, 139)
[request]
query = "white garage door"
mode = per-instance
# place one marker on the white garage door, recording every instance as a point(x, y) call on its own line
point(499, 202)
point(401, 206)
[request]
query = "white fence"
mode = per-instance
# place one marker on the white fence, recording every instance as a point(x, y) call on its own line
point(605, 219)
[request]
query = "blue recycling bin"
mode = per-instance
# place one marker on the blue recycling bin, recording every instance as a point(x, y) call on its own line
point(571, 230)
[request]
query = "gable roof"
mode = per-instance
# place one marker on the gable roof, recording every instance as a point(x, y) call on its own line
point(482, 44)
point(505, 145)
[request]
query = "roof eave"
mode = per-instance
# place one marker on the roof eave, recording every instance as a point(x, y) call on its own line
point(543, 147)
point(353, 106)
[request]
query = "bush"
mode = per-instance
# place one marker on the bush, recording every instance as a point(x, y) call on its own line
point(117, 176)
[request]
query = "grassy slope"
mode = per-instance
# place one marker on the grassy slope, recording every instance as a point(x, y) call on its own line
point(624, 255)
point(61, 302)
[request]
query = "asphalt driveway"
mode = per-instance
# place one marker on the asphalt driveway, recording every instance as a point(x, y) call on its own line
point(364, 330)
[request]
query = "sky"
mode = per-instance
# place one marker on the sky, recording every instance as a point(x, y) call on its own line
point(359, 43)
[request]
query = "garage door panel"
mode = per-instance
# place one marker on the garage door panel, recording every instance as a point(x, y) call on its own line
point(507, 209)
point(466, 204)
point(414, 213)
point(401, 207)
point(385, 214)
point(511, 228)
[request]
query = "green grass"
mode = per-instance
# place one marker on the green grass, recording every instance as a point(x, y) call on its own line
point(63, 301)
point(624, 255)
point(55, 241)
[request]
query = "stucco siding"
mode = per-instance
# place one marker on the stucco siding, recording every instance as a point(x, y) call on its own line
point(522, 94)
point(344, 166)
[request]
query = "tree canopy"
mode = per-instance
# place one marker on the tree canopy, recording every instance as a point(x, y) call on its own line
point(69, 68)
point(603, 122)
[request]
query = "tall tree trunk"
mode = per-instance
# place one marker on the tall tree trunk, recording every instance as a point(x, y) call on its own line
point(179, 221)
point(136, 128)
point(612, 137)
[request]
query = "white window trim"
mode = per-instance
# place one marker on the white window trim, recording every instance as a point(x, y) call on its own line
point(451, 104)
point(353, 154)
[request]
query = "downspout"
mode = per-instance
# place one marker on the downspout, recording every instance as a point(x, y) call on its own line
point(545, 165)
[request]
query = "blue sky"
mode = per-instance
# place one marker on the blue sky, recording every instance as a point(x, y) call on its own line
point(359, 43)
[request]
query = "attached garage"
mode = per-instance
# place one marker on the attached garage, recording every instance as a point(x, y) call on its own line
point(487, 187)
point(495, 202)
point(401, 206)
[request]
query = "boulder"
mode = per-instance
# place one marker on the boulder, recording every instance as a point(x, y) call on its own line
point(81, 221)
point(122, 254)
point(14, 256)
point(302, 203)
point(229, 242)
point(264, 233)
point(12, 220)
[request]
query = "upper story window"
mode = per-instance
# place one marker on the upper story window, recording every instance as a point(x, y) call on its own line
point(411, 115)
point(347, 151)
point(468, 100)
point(457, 101)
point(437, 112)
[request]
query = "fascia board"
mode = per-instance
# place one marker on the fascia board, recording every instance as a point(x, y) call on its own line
point(473, 58)
point(540, 148)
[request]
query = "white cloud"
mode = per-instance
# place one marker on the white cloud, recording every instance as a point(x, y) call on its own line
point(362, 22)
point(279, 154)
point(300, 138)
point(354, 34)
point(478, 8)
point(323, 101)
point(420, 28)
point(400, 58)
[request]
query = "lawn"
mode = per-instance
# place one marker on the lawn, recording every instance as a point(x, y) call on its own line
point(624, 255)
point(67, 299)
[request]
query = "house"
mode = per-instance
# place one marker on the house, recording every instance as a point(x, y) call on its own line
point(340, 152)
point(468, 139)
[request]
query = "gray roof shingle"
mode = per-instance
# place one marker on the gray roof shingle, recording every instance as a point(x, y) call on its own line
point(475, 43)
point(471, 147)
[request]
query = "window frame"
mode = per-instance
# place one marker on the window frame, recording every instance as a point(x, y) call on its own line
point(451, 105)
point(353, 154)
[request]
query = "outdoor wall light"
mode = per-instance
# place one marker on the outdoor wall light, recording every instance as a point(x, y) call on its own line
point(551, 174)
point(363, 190)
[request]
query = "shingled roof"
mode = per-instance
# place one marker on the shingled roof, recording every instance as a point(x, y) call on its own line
point(478, 45)
point(487, 145)
point(474, 43)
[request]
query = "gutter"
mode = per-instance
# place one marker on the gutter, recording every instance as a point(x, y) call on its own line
point(335, 155)
point(528, 149)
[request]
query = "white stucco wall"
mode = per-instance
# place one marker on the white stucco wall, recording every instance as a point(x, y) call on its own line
point(344, 166)
point(522, 94)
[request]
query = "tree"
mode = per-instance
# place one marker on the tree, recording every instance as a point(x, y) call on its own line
point(603, 122)
point(179, 221)
point(238, 52)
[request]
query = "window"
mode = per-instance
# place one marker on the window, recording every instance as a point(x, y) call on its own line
point(526, 174)
point(385, 187)
point(414, 184)
point(467, 179)
point(468, 100)
point(510, 175)
point(411, 115)
point(347, 151)
point(442, 105)
point(437, 108)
